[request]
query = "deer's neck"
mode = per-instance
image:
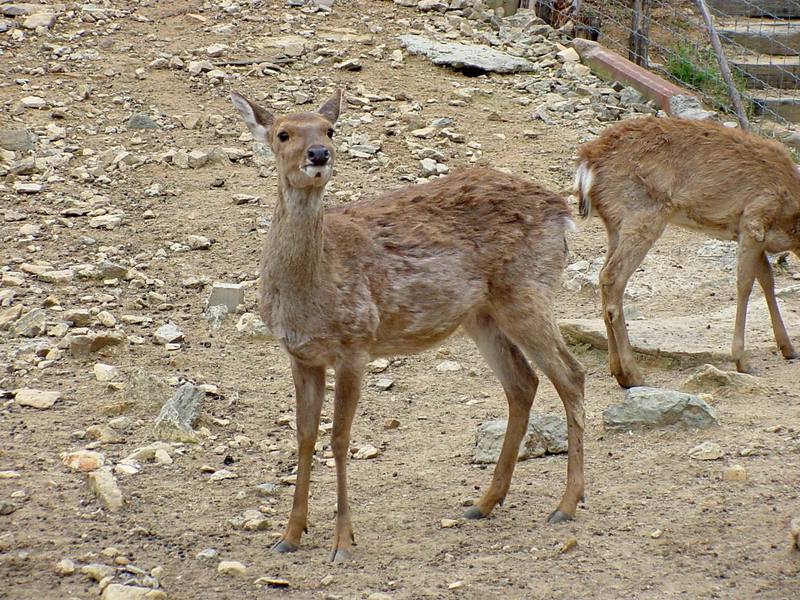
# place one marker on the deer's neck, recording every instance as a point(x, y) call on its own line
point(293, 261)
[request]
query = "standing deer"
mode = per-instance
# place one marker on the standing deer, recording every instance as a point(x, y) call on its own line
point(399, 274)
point(642, 174)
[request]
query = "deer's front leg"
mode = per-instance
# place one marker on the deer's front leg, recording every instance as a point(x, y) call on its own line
point(346, 395)
point(309, 385)
point(748, 256)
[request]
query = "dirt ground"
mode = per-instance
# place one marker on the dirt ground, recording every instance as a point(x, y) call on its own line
point(656, 524)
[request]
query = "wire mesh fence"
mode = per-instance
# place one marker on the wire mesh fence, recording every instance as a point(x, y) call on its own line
point(761, 40)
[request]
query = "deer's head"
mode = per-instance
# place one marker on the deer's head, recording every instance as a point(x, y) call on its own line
point(302, 142)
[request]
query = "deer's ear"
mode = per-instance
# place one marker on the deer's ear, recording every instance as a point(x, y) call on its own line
point(330, 110)
point(258, 120)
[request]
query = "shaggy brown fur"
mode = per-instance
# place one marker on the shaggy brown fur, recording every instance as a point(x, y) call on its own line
point(642, 174)
point(398, 274)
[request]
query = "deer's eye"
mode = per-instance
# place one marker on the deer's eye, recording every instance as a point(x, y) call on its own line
point(283, 136)
point(330, 133)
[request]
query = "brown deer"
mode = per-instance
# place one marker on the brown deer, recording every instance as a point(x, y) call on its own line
point(399, 274)
point(642, 174)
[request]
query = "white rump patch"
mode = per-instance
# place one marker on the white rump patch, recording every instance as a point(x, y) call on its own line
point(570, 225)
point(584, 178)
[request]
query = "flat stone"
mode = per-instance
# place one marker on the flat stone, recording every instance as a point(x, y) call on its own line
point(174, 422)
point(36, 398)
point(367, 452)
point(31, 324)
point(448, 366)
point(103, 484)
point(34, 102)
point(709, 378)
point(146, 390)
point(57, 277)
point(117, 591)
point(22, 187)
point(706, 451)
point(43, 19)
point(141, 121)
point(470, 58)
point(168, 334)
point(645, 407)
point(546, 434)
point(16, 140)
point(222, 474)
point(690, 340)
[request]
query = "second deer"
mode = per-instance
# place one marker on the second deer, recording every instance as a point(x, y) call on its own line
point(478, 250)
point(643, 174)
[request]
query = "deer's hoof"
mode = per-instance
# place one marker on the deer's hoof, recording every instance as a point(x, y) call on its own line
point(474, 513)
point(284, 547)
point(340, 555)
point(789, 353)
point(558, 517)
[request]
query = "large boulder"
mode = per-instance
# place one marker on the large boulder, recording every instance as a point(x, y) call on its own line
point(646, 407)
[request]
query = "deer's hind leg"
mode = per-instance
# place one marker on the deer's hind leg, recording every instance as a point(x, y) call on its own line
point(528, 321)
point(767, 282)
point(519, 383)
point(634, 241)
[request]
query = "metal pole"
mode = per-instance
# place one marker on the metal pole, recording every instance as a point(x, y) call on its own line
point(723, 66)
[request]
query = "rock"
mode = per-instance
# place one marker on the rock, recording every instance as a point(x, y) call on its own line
point(145, 389)
point(174, 422)
point(27, 188)
point(366, 452)
point(33, 102)
point(108, 222)
point(83, 460)
point(206, 554)
point(97, 572)
point(794, 533)
point(31, 324)
point(251, 325)
point(384, 384)
point(168, 334)
point(79, 317)
point(470, 58)
point(9, 316)
point(106, 319)
point(231, 567)
point(16, 140)
point(117, 591)
point(7, 507)
point(222, 474)
point(378, 365)
point(432, 5)
point(65, 567)
point(706, 451)
point(103, 485)
point(688, 107)
point(36, 398)
point(197, 159)
point(267, 490)
point(448, 523)
point(654, 407)
point(709, 378)
point(546, 434)
point(734, 473)
point(198, 242)
point(42, 19)
point(272, 583)
point(103, 435)
point(57, 277)
point(448, 366)
point(141, 121)
point(568, 55)
point(230, 295)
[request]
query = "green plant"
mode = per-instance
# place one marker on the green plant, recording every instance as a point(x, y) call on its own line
point(698, 69)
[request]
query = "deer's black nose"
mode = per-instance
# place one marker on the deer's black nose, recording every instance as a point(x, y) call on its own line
point(318, 155)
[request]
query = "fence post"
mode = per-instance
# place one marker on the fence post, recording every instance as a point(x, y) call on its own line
point(640, 32)
point(736, 99)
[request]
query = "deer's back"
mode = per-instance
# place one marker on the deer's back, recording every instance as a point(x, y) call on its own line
point(429, 255)
point(700, 174)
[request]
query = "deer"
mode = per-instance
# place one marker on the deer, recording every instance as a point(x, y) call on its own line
point(642, 174)
point(397, 274)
